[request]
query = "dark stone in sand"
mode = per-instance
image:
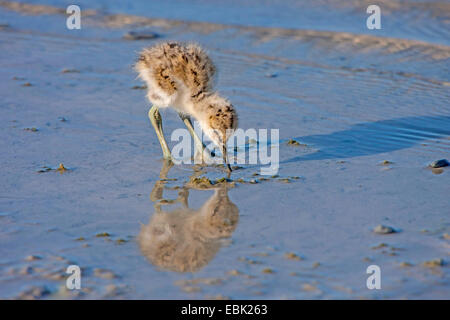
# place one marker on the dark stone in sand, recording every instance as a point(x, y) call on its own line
point(140, 35)
point(439, 163)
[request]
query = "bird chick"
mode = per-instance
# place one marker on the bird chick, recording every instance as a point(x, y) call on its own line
point(182, 76)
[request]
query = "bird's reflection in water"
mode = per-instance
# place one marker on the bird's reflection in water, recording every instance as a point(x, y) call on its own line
point(185, 239)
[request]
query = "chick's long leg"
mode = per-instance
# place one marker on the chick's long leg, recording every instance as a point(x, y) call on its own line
point(199, 146)
point(156, 120)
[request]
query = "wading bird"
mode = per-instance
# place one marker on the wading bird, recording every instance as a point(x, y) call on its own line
point(181, 76)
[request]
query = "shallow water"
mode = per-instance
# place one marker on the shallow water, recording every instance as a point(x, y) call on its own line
point(354, 97)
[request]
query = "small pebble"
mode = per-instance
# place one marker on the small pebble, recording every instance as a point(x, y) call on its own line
point(234, 272)
point(140, 35)
point(381, 245)
point(32, 258)
point(67, 70)
point(380, 229)
point(309, 287)
point(45, 169)
point(434, 263)
point(121, 241)
point(293, 142)
point(405, 264)
point(439, 163)
point(112, 290)
point(292, 256)
point(103, 273)
point(102, 234)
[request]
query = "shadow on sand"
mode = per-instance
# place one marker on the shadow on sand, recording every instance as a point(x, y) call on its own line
point(375, 137)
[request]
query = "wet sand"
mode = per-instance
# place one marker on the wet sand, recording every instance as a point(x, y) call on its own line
point(370, 112)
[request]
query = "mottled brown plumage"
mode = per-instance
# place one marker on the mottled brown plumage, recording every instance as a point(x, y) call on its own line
point(171, 62)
